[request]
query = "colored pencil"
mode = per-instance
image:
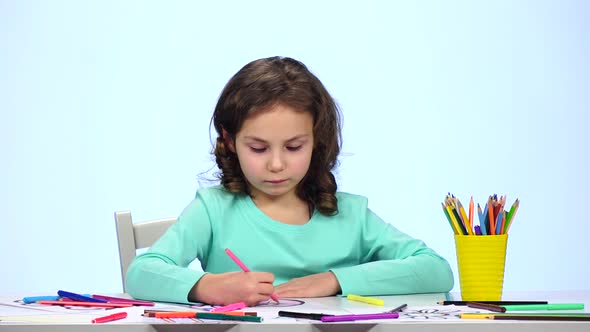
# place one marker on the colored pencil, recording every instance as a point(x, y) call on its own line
point(492, 302)
point(491, 207)
point(471, 221)
point(514, 208)
point(525, 317)
point(465, 219)
point(482, 221)
point(486, 306)
point(449, 219)
point(459, 231)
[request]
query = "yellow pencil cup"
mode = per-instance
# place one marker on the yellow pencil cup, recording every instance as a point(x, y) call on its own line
point(481, 261)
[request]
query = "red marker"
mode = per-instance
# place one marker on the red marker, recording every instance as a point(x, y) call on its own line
point(110, 318)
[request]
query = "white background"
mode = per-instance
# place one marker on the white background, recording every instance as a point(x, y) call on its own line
point(105, 106)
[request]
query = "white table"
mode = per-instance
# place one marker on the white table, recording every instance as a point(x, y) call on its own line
point(418, 323)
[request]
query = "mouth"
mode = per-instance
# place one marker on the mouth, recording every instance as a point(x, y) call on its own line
point(276, 181)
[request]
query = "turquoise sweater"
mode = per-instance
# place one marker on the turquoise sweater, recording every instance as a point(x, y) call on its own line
point(367, 255)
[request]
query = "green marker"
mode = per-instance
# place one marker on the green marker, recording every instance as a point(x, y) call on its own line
point(220, 316)
point(550, 306)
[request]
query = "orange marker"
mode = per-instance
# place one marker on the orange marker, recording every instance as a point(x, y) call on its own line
point(176, 314)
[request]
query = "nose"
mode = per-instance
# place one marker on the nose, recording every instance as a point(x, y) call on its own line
point(276, 162)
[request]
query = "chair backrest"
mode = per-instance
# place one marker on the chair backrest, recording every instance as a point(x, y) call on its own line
point(132, 236)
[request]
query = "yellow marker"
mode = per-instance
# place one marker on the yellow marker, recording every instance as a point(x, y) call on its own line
point(476, 316)
point(369, 300)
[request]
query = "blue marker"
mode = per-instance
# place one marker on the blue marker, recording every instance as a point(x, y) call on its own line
point(79, 297)
point(33, 299)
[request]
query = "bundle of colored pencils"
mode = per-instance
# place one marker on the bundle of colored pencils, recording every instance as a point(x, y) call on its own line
point(493, 220)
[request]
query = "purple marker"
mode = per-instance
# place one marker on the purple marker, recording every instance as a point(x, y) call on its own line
point(347, 318)
point(477, 230)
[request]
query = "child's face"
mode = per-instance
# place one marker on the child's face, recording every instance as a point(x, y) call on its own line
point(274, 148)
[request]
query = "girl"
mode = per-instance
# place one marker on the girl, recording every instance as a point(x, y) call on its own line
point(278, 210)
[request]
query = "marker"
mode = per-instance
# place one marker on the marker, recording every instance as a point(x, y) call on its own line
point(477, 230)
point(79, 297)
point(347, 318)
point(237, 313)
point(110, 318)
point(399, 309)
point(111, 299)
point(87, 304)
point(33, 299)
point(551, 306)
point(230, 307)
point(169, 314)
point(207, 315)
point(175, 314)
point(369, 300)
point(292, 314)
point(245, 269)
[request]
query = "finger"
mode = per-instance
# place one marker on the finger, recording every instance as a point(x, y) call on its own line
point(266, 289)
point(256, 299)
point(264, 276)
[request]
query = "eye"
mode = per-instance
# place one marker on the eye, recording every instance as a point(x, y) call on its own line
point(293, 148)
point(257, 149)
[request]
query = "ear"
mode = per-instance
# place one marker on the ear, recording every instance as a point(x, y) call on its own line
point(229, 142)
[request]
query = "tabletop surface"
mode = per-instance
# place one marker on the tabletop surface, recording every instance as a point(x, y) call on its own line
point(423, 313)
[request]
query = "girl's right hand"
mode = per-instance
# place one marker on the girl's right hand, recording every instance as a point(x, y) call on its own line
point(232, 287)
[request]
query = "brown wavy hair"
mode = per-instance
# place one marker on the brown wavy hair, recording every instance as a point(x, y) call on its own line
point(280, 80)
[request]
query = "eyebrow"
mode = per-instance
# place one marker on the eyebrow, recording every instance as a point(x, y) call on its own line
point(258, 139)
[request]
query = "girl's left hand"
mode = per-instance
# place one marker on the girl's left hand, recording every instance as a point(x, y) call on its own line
point(315, 285)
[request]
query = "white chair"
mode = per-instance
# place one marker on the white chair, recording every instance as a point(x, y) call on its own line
point(131, 237)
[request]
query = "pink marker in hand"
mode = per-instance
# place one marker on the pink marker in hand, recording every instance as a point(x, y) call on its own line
point(245, 269)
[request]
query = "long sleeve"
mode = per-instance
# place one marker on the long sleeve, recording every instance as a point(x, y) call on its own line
point(162, 273)
point(367, 255)
point(393, 263)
